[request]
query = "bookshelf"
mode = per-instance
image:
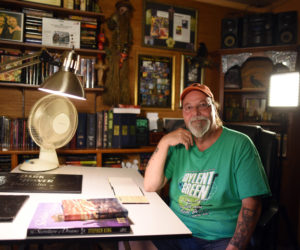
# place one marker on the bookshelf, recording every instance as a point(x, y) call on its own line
point(25, 95)
point(235, 99)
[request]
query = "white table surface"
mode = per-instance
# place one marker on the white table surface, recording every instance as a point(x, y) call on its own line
point(149, 220)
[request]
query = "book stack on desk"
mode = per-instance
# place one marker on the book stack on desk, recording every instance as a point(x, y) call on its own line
point(79, 217)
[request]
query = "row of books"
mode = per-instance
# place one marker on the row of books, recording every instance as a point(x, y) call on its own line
point(33, 24)
point(136, 161)
point(14, 134)
point(84, 5)
point(41, 27)
point(36, 74)
point(114, 128)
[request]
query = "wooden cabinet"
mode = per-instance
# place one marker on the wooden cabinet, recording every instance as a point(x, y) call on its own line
point(244, 83)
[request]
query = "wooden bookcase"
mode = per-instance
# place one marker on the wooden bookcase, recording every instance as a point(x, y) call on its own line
point(235, 97)
point(16, 99)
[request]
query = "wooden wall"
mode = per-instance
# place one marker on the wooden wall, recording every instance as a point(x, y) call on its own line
point(208, 31)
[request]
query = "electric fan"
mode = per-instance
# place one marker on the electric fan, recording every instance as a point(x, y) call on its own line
point(52, 123)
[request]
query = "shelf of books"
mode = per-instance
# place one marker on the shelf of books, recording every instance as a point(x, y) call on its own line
point(54, 29)
point(108, 138)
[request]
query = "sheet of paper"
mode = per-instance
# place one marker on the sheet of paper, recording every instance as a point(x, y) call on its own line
point(126, 190)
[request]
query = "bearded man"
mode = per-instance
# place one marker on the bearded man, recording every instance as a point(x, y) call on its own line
point(216, 177)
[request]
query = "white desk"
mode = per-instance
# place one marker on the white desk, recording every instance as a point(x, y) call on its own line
point(149, 220)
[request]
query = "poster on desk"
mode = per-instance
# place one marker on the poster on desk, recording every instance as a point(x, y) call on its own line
point(61, 33)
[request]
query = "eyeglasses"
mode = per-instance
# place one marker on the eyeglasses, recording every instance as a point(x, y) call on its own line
point(200, 107)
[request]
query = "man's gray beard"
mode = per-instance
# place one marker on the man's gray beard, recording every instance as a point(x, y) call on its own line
point(199, 132)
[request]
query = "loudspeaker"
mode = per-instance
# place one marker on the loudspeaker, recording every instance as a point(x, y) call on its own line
point(258, 30)
point(230, 33)
point(286, 28)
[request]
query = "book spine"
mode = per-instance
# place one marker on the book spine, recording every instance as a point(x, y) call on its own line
point(99, 134)
point(105, 128)
point(110, 128)
point(91, 130)
point(81, 131)
point(117, 136)
point(77, 231)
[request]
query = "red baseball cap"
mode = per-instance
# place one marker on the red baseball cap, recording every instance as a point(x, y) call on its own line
point(199, 87)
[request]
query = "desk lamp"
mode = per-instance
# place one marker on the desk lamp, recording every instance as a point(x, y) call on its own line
point(64, 82)
point(53, 120)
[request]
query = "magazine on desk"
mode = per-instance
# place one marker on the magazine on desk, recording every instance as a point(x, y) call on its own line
point(48, 220)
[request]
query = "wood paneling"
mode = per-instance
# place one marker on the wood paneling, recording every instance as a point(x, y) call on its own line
point(11, 102)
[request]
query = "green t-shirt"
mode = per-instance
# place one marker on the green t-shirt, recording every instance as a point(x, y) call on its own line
point(207, 187)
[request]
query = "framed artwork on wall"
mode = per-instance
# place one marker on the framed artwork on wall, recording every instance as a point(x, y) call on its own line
point(155, 81)
point(191, 71)
point(11, 24)
point(169, 27)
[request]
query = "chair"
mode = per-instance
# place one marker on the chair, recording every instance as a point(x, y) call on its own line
point(266, 142)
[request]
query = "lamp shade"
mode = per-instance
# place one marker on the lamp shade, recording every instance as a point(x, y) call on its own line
point(65, 82)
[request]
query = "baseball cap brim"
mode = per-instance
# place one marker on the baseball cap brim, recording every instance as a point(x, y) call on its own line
point(198, 87)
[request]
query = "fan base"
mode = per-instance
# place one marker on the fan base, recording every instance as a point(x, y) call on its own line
point(38, 165)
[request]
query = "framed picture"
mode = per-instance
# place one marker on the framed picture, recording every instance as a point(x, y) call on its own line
point(255, 108)
point(191, 72)
point(11, 26)
point(48, 2)
point(61, 33)
point(14, 75)
point(155, 81)
point(168, 26)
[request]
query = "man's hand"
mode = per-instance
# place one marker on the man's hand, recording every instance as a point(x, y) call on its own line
point(179, 136)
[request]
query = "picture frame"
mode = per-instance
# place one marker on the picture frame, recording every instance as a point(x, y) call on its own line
point(169, 27)
point(61, 33)
point(14, 76)
point(48, 2)
point(254, 108)
point(191, 72)
point(13, 26)
point(155, 83)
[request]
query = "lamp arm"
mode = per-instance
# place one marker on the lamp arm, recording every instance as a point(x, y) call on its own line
point(41, 56)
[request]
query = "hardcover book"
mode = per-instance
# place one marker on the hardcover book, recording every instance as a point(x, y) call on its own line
point(40, 183)
point(124, 130)
point(87, 209)
point(81, 130)
point(10, 206)
point(49, 220)
point(91, 130)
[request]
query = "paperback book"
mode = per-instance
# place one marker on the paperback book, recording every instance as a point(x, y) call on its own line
point(87, 209)
point(48, 220)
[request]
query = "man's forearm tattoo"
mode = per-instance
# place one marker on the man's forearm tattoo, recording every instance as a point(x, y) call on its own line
point(244, 228)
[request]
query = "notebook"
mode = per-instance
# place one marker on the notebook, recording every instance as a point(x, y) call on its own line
point(10, 206)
